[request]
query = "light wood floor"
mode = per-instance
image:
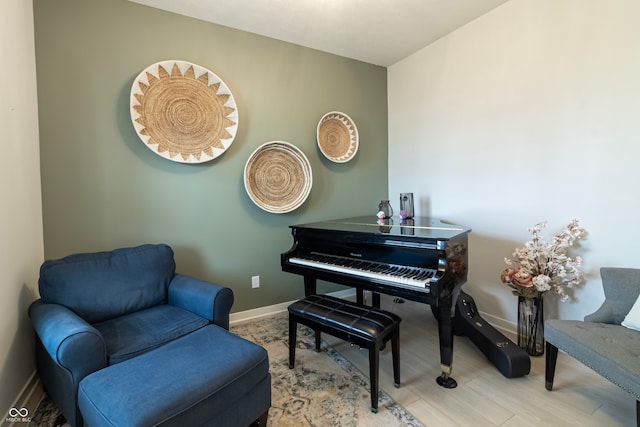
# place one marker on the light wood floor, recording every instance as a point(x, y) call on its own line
point(484, 397)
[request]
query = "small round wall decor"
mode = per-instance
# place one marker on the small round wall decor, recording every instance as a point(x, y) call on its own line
point(337, 137)
point(277, 177)
point(183, 112)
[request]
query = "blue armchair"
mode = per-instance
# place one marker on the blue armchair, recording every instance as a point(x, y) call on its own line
point(99, 309)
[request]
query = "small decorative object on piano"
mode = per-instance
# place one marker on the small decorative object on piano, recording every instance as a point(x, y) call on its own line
point(385, 210)
point(385, 225)
point(540, 267)
point(406, 205)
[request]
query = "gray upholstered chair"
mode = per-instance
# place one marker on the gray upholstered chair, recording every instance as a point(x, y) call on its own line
point(600, 341)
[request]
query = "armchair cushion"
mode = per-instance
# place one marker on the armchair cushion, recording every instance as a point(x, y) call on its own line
point(136, 333)
point(104, 285)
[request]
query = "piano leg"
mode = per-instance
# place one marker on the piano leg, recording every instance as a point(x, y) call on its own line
point(445, 331)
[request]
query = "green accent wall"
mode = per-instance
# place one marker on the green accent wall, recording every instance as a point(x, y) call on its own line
point(103, 189)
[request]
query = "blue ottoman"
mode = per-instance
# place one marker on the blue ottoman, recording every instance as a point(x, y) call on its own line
point(208, 377)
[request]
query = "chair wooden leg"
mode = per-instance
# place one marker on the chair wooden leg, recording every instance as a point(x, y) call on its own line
point(318, 339)
point(550, 366)
point(637, 413)
point(293, 326)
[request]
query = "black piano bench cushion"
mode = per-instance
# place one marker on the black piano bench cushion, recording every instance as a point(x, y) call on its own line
point(359, 324)
point(359, 321)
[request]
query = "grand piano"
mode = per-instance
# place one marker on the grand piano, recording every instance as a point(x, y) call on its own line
point(419, 259)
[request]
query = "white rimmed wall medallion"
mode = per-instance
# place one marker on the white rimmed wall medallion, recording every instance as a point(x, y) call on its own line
point(337, 137)
point(277, 177)
point(183, 112)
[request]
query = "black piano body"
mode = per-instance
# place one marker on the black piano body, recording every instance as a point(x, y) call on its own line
point(419, 259)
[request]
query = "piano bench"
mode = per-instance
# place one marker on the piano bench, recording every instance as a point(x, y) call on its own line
point(358, 324)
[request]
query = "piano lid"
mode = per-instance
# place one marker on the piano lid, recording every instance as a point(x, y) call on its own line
point(419, 227)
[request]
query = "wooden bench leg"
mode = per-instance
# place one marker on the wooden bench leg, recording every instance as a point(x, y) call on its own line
point(293, 326)
point(374, 368)
point(318, 335)
point(550, 365)
point(395, 353)
point(262, 420)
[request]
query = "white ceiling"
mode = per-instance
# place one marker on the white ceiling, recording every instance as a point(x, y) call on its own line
point(379, 32)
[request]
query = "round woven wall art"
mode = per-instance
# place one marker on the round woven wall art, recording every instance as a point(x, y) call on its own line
point(277, 177)
point(183, 112)
point(337, 137)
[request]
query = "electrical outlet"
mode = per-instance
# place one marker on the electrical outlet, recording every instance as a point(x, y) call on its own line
point(255, 282)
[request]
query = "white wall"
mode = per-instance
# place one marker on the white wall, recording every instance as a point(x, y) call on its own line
point(21, 246)
point(529, 113)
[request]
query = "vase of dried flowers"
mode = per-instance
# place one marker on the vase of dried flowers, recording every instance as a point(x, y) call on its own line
point(539, 267)
point(531, 325)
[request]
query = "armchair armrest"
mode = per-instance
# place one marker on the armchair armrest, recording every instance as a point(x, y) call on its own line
point(71, 342)
point(205, 299)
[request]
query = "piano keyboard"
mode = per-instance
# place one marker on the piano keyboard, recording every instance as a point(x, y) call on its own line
point(399, 275)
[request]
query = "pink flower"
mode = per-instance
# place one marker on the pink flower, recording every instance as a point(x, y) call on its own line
point(507, 275)
point(541, 266)
point(522, 278)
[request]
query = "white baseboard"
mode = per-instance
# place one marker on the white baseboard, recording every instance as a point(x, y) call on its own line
point(256, 313)
point(28, 398)
point(504, 326)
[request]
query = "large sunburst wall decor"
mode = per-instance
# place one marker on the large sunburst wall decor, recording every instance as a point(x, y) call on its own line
point(183, 112)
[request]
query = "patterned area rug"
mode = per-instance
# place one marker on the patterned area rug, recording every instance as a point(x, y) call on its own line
point(324, 389)
point(47, 414)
